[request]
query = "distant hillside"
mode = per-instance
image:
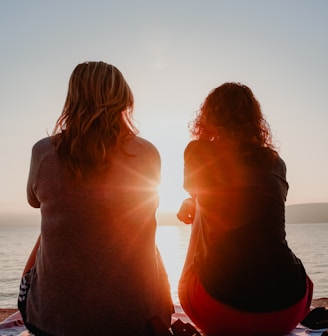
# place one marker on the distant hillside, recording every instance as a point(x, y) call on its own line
point(19, 218)
point(307, 213)
point(296, 213)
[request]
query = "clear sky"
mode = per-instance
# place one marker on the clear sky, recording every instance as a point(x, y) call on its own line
point(172, 53)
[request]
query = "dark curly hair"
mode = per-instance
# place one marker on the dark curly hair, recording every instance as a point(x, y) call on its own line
point(233, 109)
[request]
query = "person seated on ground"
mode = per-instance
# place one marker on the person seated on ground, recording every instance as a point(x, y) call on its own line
point(95, 269)
point(240, 277)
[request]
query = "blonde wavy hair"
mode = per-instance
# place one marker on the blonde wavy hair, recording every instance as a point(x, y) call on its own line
point(96, 118)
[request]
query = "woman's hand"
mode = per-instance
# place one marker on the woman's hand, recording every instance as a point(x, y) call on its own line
point(186, 212)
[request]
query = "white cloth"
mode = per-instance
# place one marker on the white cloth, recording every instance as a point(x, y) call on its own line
point(13, 325)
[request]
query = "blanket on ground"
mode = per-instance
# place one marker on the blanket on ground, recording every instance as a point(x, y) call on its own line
point(14, 326)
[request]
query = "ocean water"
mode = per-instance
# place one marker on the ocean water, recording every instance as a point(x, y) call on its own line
point(308, 242)
point(18, 235)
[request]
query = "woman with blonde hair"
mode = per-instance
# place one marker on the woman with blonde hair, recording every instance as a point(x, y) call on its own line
point(240, 277)
point(95, 269)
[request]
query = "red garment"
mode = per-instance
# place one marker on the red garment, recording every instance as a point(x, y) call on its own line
point(216, 318)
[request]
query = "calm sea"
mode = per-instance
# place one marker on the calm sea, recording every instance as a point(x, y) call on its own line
point(18, 235)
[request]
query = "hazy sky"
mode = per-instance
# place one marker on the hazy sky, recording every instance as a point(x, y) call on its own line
point(172, 53)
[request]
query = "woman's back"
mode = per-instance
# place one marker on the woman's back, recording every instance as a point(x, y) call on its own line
point(97, 268)
point(243, 255)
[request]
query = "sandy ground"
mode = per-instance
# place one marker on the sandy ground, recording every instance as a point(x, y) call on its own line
point(5, 312)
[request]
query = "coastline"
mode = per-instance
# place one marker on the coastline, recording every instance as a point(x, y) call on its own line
point(6, 312)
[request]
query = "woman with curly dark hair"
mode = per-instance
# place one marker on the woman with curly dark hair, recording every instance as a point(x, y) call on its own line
point(95, 269)
point(240, 277)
